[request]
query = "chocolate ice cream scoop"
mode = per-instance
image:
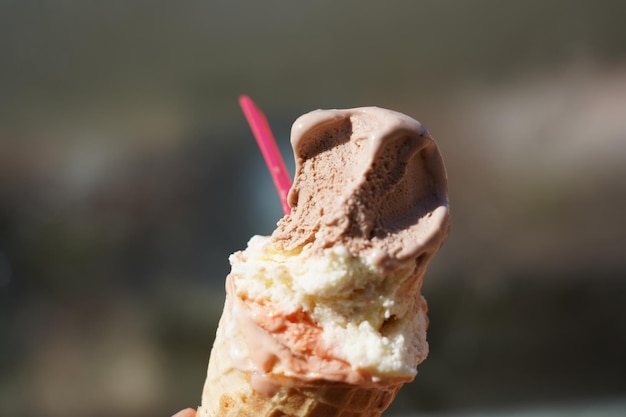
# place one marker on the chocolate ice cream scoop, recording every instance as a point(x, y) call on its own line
point(370, 179)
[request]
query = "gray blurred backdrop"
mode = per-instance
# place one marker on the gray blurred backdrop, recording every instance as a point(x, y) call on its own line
point(128, 175)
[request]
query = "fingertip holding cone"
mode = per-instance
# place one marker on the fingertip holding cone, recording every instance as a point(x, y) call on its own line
point(188, 412)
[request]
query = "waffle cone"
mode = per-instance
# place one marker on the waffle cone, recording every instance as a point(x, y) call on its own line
point(230, 392)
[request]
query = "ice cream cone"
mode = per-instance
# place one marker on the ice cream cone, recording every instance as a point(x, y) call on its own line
point(325, 317)
point(231, 392)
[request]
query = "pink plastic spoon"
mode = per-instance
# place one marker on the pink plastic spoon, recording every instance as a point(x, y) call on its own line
point(264, 137)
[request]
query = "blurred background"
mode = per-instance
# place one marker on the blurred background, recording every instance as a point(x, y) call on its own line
point(128, 175)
